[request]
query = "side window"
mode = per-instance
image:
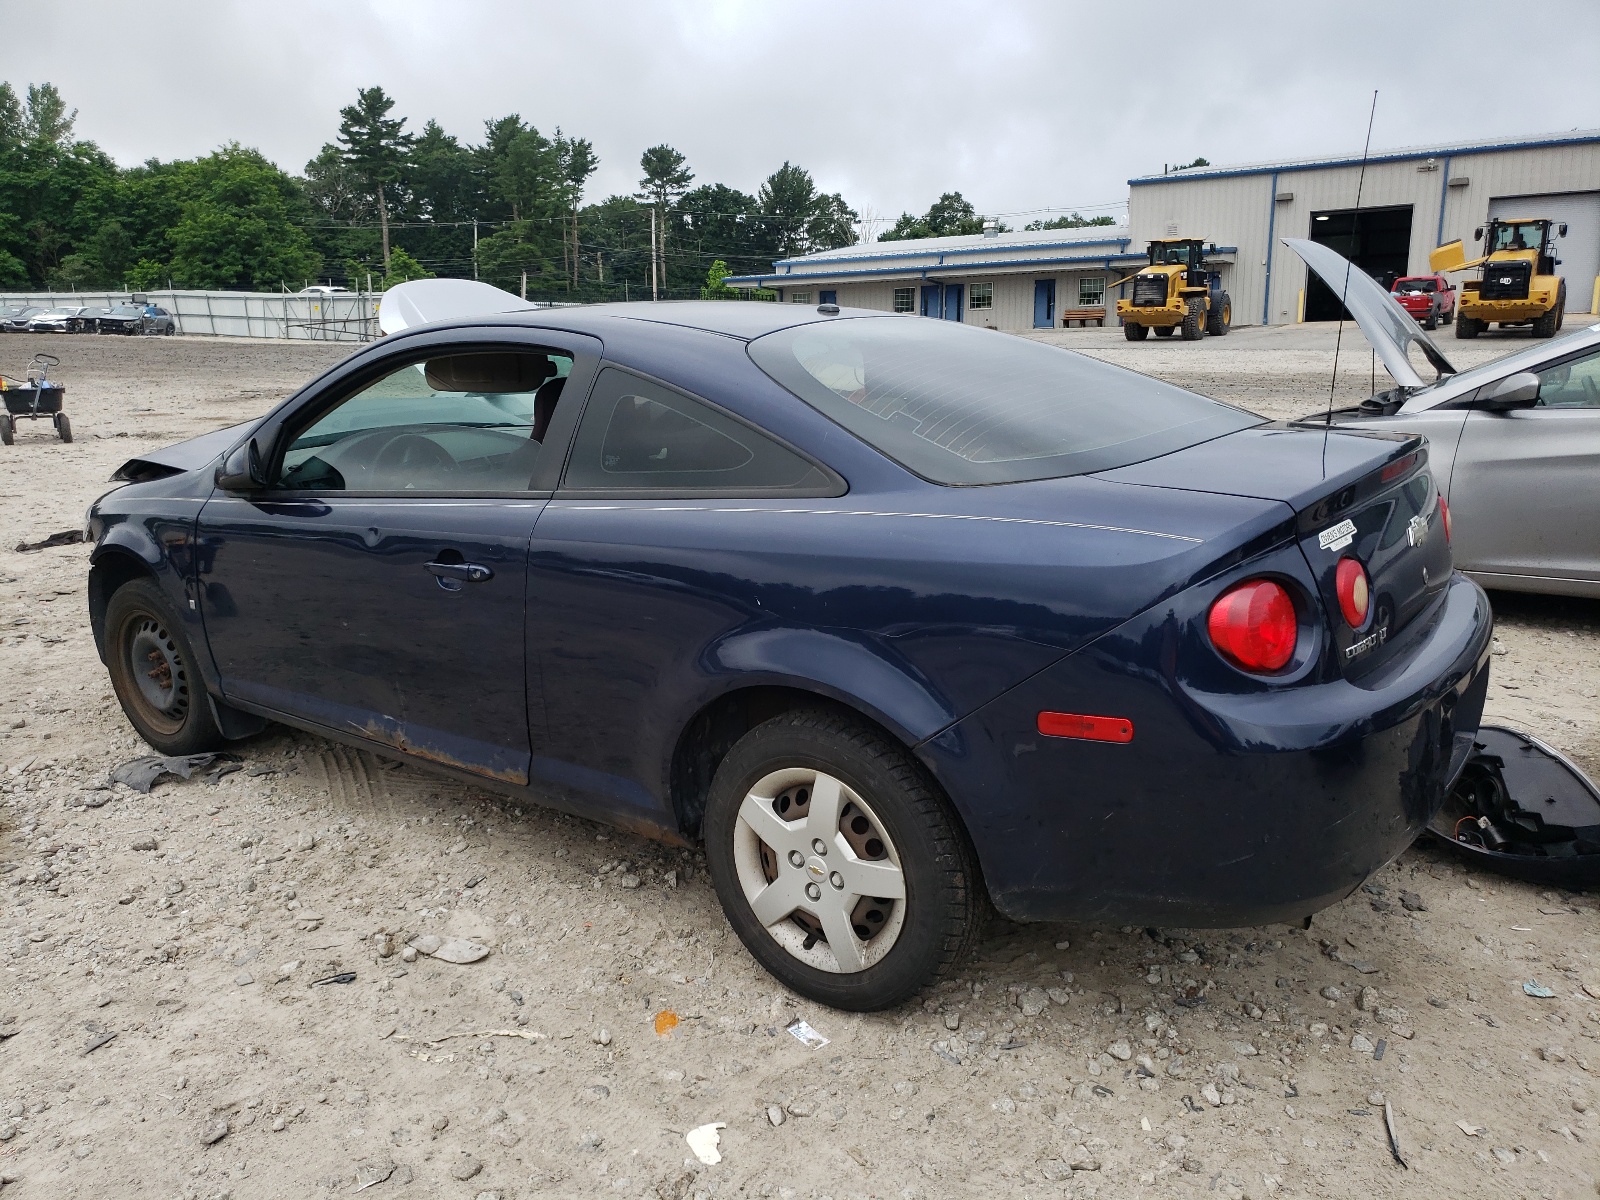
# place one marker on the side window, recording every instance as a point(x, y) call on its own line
point(1574, 384)
point(461, 423)
point(636, 435)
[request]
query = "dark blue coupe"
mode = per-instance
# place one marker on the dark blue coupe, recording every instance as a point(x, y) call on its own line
point(898, 617)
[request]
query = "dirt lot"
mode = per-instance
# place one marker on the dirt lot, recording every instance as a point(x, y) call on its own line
point(1057, 1064)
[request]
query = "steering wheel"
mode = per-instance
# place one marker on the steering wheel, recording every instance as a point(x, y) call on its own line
point(409, 458)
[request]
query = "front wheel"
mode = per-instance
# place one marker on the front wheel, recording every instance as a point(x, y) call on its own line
point(1165, 330)
point(1134, 331)
point(152, 672)
point(839, 863)
point(63, 427)
point(8, 429)
point(1220, 319)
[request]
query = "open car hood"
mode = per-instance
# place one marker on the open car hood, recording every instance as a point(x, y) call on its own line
point(1389, 327)
point(424, 301)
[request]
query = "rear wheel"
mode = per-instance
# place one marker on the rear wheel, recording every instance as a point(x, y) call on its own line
point(1431, 321)
point(152, 671)
point(1134, 331)
point(1220, 319)
point(839, 863)
point(1468, 327)
point(63, 427)
point(1545, 326)
point(1194, 321)
point(8, 429)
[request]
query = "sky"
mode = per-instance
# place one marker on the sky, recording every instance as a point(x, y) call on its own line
point(1021, 105)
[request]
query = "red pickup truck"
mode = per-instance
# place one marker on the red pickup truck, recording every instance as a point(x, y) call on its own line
point(1431, 299)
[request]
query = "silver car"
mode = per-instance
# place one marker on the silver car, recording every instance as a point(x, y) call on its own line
point(1514, 443)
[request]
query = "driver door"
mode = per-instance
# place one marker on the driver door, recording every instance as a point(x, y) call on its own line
point(376, 587)
point(1525, 492)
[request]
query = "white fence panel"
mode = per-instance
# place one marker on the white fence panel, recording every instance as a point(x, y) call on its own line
point(336, 317)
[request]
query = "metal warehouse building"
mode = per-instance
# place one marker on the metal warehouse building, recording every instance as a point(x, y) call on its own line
point(1411, 201)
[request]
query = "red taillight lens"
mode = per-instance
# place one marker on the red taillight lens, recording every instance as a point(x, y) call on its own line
point(1444, 515)
point(1254, 625)
point(1355, 591)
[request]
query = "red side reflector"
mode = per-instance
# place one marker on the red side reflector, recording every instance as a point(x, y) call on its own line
point(1444, 515)
point(1090, 729)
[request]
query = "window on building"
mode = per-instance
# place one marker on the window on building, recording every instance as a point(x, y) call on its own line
point(905, 300)
point(799, 297)
point(1091, 293)
point(980, 295)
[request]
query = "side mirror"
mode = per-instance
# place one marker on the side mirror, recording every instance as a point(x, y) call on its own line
point(1477, 234)
point(244, 470)
point(1561, 229)
point(1514, 391)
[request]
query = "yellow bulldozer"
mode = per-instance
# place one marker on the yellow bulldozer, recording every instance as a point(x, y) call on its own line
point(1176, 291)
point(1519, 284)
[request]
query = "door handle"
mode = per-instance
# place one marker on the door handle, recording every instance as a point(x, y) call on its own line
point(464, 571)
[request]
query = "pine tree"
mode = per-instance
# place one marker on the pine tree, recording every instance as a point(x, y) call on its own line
point(375, 145)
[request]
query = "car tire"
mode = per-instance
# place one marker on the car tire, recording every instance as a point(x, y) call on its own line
point(1165, 330)
point(1194, 321)
point(1134, 331)
point(885, 826)
point(63, 427)
point(153, 672)
point(1431, 321)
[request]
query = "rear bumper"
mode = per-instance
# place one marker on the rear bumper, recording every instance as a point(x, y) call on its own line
point(1507, 310)
point(1170, 314)
point(1224, 810)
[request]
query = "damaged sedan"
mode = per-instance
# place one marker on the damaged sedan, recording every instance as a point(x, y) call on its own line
point(899, 618)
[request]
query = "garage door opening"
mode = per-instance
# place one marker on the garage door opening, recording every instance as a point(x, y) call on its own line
point(1378, 240)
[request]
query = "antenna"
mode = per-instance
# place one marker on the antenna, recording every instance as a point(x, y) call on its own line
point(1355, 230)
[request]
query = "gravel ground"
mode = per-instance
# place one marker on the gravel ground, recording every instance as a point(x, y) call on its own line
point(189, 927)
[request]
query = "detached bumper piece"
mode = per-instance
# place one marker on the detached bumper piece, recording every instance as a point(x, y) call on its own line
point(1524, 810)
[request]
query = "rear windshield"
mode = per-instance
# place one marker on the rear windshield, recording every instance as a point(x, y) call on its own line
point(1415, 285)
point(969, 406)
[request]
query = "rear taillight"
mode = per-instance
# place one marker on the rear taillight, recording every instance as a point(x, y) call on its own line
point(1444, 516)
point(1254, 625)
point(1355, 591)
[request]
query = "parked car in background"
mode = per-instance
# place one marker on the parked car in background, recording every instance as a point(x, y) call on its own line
point(1513, 443)
point(888, 613)
point(1431, 299)
point(64, 318)
point(122, 318)
point(15, 318)
point(158, 320)
point(88, 321)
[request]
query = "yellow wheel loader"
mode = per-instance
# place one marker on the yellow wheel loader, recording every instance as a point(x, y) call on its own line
point(1175, 291)
point(1519, 284)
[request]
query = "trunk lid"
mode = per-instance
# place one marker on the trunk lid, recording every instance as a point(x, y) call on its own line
point(1363, 494)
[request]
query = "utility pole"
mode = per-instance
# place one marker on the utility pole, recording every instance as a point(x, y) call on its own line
point(474, 247)
point(524, 284)
point(653, 257)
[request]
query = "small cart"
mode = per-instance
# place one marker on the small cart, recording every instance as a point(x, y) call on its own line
point(33, 398)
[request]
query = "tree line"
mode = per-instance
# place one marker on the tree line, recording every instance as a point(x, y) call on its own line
point(382, 203)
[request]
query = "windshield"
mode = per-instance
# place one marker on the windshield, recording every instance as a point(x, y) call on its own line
point(1519, 235)
point(1164, 255)
point(1415, 285)
point(968, 406)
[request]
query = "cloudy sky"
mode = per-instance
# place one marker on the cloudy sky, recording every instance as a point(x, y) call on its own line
point(1022, 105)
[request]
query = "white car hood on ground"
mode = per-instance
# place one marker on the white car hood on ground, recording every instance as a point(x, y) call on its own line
point(1390, 328)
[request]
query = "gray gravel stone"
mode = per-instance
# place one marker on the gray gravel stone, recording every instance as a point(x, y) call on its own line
point(213, 1133)
point(465, 1167)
